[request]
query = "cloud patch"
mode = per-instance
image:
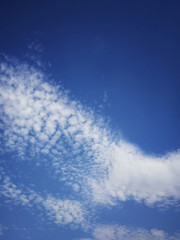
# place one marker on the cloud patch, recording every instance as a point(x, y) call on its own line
point(115, 232)
point(60, 211)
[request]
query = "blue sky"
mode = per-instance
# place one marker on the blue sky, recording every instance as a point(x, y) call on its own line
point(89, 120)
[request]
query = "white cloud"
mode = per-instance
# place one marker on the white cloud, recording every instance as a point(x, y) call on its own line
point(115, 232)
point(64, 211)
point(40, 118)
point(134, 174)
point(59, 211)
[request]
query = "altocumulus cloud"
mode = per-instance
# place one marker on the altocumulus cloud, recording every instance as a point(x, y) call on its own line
point(40, 121)
point(60, 211)
point(115, 232)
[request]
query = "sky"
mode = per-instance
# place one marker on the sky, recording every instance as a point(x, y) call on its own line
point(89, 120)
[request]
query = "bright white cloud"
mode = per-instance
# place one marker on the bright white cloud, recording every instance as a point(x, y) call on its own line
point(39, 118)
point(132, 173)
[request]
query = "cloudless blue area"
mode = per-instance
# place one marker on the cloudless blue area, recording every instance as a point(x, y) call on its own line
point(119, 57)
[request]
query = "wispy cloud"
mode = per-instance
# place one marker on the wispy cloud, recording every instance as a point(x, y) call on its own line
point(39, 121)
point(59, 211)
point(115, 232)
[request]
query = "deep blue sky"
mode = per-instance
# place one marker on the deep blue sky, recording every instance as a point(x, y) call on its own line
point(119, 58)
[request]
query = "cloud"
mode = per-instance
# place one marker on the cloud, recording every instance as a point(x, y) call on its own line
point(59, 211)
point(41, 123)
point(115, 232)
point(64, 212)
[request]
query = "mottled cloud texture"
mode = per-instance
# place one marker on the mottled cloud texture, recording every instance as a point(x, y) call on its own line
point(115, 232)
point(41, 124)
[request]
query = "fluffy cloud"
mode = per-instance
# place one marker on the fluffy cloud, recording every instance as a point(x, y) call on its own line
point(132, 173)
